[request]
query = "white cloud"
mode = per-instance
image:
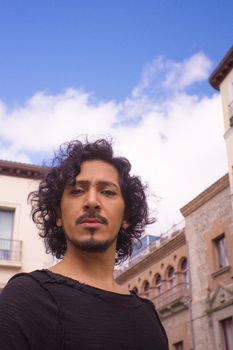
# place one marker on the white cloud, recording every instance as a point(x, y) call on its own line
point(45, 121)
point(163, 76)
point(174, 144)
point(192, 70)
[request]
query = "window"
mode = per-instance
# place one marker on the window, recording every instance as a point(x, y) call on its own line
point(231, 121)
point(146, 287)
point(184, 264)
point(158, 285)
point(221, 250)
point(227, 333)
point(6, 228)
point(184, 270)
point(178, 346)
point(171, 276)
point(158, 281)
point(135, 289)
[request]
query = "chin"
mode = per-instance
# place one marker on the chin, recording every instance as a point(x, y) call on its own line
point(92, 245)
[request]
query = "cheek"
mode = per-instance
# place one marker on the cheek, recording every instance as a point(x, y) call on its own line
point(119, 212)
point(68, 213)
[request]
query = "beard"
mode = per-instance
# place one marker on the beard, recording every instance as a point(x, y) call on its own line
point(91, 245)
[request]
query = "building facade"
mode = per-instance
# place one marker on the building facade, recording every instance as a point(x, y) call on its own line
point(188, 275)
point(209, 236)
point(160, 273)
point(21, 249)
point(222, 80)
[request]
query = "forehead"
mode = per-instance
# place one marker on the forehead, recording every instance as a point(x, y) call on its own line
point(98, 170)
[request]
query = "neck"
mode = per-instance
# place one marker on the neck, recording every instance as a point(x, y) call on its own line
point(91, 268)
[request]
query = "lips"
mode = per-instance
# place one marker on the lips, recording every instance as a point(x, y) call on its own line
point(88, 223)
point(92, 220)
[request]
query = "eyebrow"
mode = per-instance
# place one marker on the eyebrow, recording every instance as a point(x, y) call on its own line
point(100, 183)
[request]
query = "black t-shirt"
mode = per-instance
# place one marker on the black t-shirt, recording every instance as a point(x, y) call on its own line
point(42, 310)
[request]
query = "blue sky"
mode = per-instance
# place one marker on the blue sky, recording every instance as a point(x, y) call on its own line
point(102, 45)
point(136, 71)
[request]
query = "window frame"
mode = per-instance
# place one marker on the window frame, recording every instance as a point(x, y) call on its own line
point(184, 270)
point(6, 242)
point(225, 332)
point(221, 254)
point(178, 345)
point(15, 235)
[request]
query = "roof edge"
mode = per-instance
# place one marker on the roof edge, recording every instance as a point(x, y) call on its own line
point(206, 195)
point(222, 69)
point(30, 171)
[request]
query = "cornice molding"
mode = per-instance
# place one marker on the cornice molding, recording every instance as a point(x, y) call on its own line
point(153, 257)
point(206, 195)
point(16, 169)
point(222, 70)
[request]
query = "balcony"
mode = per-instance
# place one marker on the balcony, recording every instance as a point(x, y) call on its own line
point(171, 300)
point(10, 252)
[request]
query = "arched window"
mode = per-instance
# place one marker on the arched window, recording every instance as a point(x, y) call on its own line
point(135, 289)
point(184, 264)
point(158, 281)
point(171, 276)
point(158, 289)
point(146, 286)
point(184, 270)
point(171, 283)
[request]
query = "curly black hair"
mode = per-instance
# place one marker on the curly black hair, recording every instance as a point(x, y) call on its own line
point(65, 167)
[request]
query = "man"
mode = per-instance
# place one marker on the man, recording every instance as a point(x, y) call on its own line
point(89, 210)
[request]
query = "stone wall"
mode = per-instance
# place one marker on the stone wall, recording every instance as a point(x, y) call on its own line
point(205, 223)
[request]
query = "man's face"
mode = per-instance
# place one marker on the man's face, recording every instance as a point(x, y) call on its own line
point(92, 211)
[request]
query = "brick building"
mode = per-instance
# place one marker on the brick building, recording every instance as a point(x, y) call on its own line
point(189, 273)
point(209, 236)
point(160, 273)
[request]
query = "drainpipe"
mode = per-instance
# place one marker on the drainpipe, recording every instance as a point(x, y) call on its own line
point(191, 297)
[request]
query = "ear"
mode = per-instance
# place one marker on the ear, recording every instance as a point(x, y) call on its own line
point(59, 222)
point(124, 224)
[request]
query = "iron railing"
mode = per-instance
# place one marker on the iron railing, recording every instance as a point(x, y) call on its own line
point(172, 295)
point(174, 230)
point(10, 250)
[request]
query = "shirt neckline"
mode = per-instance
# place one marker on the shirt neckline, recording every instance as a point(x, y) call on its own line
point(58, 276)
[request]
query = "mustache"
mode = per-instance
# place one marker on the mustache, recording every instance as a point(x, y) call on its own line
point(91, 215)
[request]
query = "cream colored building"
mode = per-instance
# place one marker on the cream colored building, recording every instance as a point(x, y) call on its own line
point(222, 79)
point(21, 249)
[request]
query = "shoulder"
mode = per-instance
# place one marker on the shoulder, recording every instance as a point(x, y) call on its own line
point(145, 301)
point(25, 292)
point(27, 310)
point(19, 285)
point(150, 306)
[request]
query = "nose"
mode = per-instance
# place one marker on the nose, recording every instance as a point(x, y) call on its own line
point(91, 200)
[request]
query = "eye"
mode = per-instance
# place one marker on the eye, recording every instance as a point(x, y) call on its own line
point(108, 193)
point(77, 191)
